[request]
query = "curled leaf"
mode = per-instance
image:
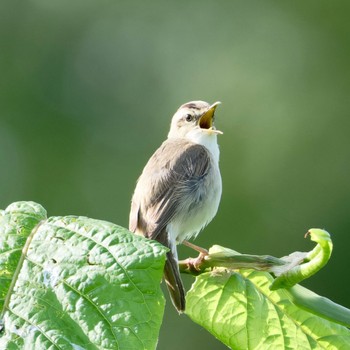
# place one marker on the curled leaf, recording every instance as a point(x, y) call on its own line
point(313, 261)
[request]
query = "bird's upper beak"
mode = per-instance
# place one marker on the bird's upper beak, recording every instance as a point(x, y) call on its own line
point(206, 120)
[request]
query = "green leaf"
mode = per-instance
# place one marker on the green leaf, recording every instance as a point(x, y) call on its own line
point(16, 224)
point(82, 284)
point(241, 311)
point(315, 260)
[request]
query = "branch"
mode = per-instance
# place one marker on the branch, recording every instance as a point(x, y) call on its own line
point(289, 270)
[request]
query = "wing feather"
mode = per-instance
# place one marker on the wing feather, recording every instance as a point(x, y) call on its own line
point(162, 185)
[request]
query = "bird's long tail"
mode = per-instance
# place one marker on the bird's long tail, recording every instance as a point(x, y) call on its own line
point(174, 283)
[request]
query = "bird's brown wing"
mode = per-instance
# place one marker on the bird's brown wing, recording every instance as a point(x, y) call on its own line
point(164, 184)
point(158, 195)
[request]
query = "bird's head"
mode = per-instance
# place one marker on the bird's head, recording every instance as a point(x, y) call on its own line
point(194, 120)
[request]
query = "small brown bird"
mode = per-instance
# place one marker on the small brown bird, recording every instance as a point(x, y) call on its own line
point(179, 190)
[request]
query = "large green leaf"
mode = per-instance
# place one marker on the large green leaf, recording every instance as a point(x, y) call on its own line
point(80, 284)
point(16, 224)
point(241, 311)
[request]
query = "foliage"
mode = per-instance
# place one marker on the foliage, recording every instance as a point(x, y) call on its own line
point(78, 283)
point(242, 312)
point(82, 283)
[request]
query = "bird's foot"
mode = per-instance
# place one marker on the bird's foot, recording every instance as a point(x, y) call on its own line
point(196, 262)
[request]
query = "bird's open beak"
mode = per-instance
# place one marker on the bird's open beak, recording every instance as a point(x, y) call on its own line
point(206, 120)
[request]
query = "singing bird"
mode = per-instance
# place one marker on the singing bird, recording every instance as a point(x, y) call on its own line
point(179, 190)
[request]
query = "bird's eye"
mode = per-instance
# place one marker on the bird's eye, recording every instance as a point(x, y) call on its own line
point(189, 117)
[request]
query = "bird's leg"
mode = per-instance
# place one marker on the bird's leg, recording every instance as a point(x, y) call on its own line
point(195, 247)
point(202, 254)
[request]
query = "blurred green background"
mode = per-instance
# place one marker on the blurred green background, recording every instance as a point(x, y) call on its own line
point(88, 90)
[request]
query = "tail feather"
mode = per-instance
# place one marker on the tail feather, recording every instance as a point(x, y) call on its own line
point(174, 283)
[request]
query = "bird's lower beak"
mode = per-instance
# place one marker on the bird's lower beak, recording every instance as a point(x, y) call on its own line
point(206, 120)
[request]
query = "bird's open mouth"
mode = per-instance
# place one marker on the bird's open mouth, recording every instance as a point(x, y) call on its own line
point(206, 120)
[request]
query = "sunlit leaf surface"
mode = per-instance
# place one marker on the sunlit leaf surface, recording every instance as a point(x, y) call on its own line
point(83, 283)
point(241, 311)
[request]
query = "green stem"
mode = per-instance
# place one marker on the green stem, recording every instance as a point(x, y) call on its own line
point(289, 270)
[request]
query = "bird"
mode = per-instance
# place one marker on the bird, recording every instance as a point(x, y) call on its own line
point(179, 190)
